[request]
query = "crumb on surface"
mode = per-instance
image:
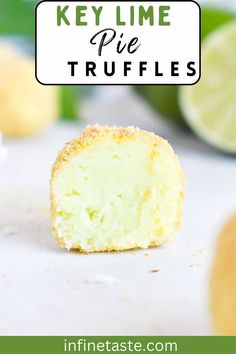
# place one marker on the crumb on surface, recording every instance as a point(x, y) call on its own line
point(196, 265)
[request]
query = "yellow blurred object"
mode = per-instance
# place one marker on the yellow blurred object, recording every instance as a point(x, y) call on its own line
point(26, 107)
point(223, 282)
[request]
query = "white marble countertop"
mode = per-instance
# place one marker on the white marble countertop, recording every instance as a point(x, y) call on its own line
point(45, 290)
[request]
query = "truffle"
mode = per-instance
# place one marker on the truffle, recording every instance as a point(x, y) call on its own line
point(27, 107)
point(223, 282)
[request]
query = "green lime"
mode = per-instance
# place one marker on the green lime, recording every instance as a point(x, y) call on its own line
point(164, 99)
point(209, 107)
point(213, 18)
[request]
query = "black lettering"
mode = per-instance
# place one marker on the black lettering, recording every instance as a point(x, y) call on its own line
point(103, 42)
point(127, 67)
point(112, 72)
point(142, 67)
point(157, 73)
point(90, 68)
point(192, 71)
point(131, 44)
point(174, 68)
point(72, 67)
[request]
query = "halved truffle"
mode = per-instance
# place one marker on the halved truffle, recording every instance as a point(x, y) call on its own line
point(116, 188)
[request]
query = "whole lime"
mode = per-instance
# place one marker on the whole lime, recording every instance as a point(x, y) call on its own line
point(164, 99)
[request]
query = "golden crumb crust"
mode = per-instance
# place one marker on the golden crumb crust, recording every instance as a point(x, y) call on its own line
point(98, 132)
point(223, 281)
point(91, 134)
point(113, 248)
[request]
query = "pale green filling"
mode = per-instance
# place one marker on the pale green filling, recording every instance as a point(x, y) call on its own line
point(118, 195)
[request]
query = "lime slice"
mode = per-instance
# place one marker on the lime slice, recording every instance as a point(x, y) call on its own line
point(209, 106)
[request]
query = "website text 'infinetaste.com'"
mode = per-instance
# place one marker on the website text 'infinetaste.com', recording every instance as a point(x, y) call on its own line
point(84, 345)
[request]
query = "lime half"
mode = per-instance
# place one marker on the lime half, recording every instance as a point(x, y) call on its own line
point(215, 17)
point(209, 106)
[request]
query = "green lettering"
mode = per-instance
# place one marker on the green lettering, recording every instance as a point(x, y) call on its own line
point(118, 20)
point(79, 14)
point(97, 12)
point(146, 15)
point(131, 15)
point(162, 14)
point(61, 15)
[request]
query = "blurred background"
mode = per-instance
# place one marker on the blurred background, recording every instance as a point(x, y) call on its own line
point(35, 121)
point(157, 108)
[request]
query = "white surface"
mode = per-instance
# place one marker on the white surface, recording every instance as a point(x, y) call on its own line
point(45, 290)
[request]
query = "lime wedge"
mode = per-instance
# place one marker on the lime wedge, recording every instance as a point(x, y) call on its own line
point(209, 106)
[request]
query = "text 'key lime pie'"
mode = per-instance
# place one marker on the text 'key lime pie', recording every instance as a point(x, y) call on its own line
point(116, 188)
